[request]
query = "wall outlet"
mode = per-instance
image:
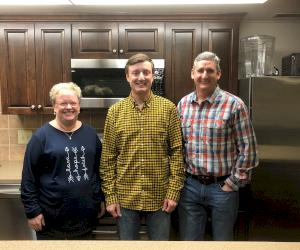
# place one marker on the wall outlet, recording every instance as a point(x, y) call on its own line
point(24, 135)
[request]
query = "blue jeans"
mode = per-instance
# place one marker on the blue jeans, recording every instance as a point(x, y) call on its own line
point(158, 224)
point(199, 201)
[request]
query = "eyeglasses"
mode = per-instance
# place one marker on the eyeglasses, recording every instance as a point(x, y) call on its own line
point(67, 104)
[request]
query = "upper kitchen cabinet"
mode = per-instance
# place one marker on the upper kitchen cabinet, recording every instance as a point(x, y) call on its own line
point(33, 57)
point(117, 40)
point(185, 40)
point(183, 43)
point(17, 65)
point(223, 39)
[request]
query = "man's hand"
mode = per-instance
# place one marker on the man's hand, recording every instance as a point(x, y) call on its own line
point(37, 222)
point(169, 205)
point(226, 188)
point(114, 209)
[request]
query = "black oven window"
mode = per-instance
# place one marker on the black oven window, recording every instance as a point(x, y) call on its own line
point(101, 82)
point(111, 83)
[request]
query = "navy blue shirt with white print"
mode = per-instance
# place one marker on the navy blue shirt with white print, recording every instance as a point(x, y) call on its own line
point(60, 178)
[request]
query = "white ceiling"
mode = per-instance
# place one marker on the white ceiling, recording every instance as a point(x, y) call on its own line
point(254, 11)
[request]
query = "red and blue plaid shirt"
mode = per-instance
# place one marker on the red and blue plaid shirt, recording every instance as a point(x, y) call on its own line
point(218, 137)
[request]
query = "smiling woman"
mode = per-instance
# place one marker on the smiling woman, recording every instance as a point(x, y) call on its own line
point(60, 186)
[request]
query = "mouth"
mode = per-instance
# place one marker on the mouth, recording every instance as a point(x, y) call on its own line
point(69, 112)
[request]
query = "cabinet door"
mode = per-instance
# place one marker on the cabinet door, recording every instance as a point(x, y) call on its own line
point(183, 43)
point(53, 60)
point(139, 37)
point(222, 39)
point(17, 65)
point(95, 40)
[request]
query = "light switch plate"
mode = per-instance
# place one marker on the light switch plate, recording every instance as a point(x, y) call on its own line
point(24, 135)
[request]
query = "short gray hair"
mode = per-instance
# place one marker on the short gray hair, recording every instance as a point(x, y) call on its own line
point(57, 88)
point(209, 56)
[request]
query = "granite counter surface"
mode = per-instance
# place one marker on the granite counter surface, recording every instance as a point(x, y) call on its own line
point(145, 245)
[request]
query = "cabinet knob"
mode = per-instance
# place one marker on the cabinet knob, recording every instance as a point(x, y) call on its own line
point(114, 51)
point(32, 107)
point(121, 51)
point(39, 107)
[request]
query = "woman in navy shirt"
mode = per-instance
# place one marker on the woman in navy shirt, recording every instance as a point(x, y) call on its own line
point(60, 186)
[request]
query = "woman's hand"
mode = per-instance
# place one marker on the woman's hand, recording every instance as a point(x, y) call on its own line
point(37, 222)
point(102, 210)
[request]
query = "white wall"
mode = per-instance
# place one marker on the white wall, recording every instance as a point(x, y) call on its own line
point(286, 33)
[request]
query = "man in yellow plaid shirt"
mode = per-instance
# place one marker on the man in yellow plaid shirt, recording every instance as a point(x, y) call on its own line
point(142, 164)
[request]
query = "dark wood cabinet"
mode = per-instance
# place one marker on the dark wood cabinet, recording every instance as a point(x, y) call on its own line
point(95, 40)
point(117, 40)
point(17, 64)
point(33, 58)
point(53, 59)
point(183, 43)
point(36, 53)
point(223, 39)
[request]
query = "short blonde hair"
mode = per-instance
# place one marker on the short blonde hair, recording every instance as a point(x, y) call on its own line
point(57, 88)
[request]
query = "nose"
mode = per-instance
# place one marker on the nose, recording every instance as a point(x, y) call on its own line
point(204, 73)
point(69, 105)
point(141, 76)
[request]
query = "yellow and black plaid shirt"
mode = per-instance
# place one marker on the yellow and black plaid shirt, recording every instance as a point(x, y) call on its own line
point(142, 162)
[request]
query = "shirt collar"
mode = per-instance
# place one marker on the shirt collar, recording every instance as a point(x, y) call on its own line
point(147, 103)
point(209, 99)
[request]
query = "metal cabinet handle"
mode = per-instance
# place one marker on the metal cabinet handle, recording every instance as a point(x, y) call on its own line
point(114, 51)
point(121, 51)
point(39, 107)
point(33, 107)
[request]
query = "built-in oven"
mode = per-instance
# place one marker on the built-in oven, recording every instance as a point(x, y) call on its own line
point(103, 81)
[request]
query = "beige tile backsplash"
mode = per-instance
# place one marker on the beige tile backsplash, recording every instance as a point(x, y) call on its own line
point(10, 125)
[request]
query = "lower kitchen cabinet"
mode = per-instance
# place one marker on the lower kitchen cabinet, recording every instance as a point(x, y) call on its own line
point(106, 229)
point(34, 56)
point(14, 224)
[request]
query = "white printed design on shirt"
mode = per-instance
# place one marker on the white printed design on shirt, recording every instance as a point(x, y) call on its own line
point(84, 168)
point(68, 169)
point(76, 171)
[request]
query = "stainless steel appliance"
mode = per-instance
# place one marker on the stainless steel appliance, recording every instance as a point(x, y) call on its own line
point(13, 225)
point(291, 65)
point(103, 81)
point(274, 104)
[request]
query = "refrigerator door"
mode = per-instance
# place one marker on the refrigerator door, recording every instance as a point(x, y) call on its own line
point(275, 108)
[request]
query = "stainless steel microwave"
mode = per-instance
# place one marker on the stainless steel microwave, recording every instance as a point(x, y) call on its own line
point(103, 81)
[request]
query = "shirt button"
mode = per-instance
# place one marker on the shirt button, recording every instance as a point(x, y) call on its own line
point(142, 159)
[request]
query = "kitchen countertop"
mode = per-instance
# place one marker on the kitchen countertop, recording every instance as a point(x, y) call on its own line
point(145, 245)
